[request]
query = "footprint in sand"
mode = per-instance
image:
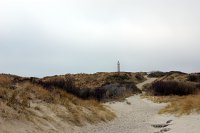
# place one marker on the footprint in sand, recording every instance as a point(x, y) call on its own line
point(162, 126)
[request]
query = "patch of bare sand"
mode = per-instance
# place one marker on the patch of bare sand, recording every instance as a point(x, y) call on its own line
point(183, 124)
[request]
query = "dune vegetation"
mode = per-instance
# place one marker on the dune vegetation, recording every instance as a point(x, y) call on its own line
point(180, 90)
point(183, 105)
point(24, 101)
point(71, 98)
point(99, 86)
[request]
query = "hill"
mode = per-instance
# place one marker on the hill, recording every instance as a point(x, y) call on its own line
point(27, 106)
point(59, 103)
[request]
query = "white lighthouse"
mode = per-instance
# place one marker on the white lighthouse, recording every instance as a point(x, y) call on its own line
point(118, 67)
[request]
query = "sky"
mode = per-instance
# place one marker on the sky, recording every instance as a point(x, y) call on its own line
point(52, 37)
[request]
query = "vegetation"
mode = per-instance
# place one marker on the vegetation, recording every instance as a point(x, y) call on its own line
point(97, 80)
point(178, 105)
point(164, 88)
point(180, 90)
point(194, 77)
point(183, 105)
point(157, 74)
point(60, 98)
point(32, 102)
point(99, 86)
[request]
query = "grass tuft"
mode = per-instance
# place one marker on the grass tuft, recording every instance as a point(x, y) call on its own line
point(183, 106)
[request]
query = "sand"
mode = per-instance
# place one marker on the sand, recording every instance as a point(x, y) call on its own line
point(134, 115)
point(137, 115)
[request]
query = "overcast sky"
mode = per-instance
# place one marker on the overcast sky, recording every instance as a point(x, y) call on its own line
point(48, 37)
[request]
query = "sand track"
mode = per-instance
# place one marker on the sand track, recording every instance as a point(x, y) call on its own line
point(137, 115)
point(131, 118)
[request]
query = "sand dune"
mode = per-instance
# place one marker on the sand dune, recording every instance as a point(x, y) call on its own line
point(137, 115)
point(134, 115)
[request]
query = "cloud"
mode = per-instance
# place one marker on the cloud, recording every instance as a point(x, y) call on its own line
point(59, 36)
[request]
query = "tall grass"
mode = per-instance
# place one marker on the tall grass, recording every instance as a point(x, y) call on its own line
point(184, 105)
point(77, 111)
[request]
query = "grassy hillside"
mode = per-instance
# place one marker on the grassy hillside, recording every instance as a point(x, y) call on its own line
point(99, 79)
point(180, 89)
point(60, 98)
point(99, 86)
point(27, 102)
point(183, 105)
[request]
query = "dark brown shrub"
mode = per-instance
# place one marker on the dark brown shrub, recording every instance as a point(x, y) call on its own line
point(139, 76)
point(118, 78)
point(115, 86)
point(194, 77)
point(173, 88)
point(157, 74)
point(64, 83)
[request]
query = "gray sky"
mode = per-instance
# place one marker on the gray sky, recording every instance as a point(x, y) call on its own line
point(47, 37)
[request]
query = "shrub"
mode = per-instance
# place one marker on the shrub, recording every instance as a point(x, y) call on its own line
point(194, 77)
point(64, 83)
point(139, 76)
point(114, 86)
point(115, 91)
point(173, 88)
point(117, 78)
point(157, 74)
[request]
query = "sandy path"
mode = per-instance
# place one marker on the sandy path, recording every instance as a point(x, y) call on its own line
point(131, 118)
point(140, 116)
point(149, 80)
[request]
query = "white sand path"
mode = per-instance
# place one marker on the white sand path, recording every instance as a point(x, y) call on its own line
point(140, 115)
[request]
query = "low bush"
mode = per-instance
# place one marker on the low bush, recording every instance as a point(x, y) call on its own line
point(115, 87)
point(115, 91)
point(139, 76)
point(64, 83)
point(157, 74)
point(164, 88)
point(118, 78)
point(194, 77)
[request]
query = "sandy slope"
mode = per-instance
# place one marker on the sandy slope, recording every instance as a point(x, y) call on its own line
point(136, 115)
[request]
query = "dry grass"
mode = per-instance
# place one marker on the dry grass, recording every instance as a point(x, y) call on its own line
point(99, 86)
point(184, 105)
point(96, 80)
point(178, 105)
point(26, 99)
point(162, 99)
point(175, 76)
point(6, 80)
point(34, 103)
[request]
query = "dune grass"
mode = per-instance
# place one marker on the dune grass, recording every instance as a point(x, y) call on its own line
point(28, 100)
point(178, 105)
point(178, 91)
point(183, 105)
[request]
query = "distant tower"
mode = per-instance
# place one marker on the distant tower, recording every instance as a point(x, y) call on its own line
point(118, 67)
